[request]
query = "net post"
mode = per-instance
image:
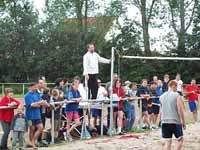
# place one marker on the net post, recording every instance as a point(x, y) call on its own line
point(111, 90)
point(52, 127)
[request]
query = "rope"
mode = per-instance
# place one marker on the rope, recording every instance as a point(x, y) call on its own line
point(160, 58)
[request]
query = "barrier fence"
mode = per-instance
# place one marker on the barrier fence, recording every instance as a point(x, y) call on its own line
point(20, 89)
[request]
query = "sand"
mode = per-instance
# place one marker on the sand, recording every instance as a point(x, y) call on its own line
point(133, 141)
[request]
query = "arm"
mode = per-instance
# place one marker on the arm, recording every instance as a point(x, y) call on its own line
point(103, 60)
point(4, 101)
point(13, 122)
point(85, 65)
point(180, 110)
point(39, 104)
point(71, 98)
point(17, 102)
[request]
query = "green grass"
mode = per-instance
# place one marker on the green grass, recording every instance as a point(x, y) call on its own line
point(19, 96)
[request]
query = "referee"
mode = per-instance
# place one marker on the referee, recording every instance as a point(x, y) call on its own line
point(91, 62)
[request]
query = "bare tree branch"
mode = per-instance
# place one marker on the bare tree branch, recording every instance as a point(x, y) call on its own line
point(192, 15)
point(173, 21)
point(187, 6)
point(151, 10)
point(137, 3)
point(137, 23)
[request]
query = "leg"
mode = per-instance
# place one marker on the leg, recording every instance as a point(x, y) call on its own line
point(195, 116)
point(6, 131)
point(146, 118)
point(14, 139)
point(167, 145)
point(31, 132)
point(114, 119)
point(89, 87)
point(120, 121)
point(39, 127)
point(132, 117)
point(94, 86)
point(21, 139)
point(179, 144)
point(77, 122)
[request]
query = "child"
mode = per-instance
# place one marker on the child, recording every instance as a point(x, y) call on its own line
point(72, 108)
point(19, 127)
point(57, 110)
point(131, 113)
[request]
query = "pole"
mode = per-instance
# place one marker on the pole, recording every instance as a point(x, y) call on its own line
point(111, 89)
point(23, 89)
point(2, 88)
point(102, 114)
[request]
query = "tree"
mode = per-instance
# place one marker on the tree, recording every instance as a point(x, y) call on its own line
point(20, 39)
point(146, 16)
point(182, 10)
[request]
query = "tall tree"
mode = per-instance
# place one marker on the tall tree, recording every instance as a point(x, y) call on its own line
point(146, 9)
point(182, 14)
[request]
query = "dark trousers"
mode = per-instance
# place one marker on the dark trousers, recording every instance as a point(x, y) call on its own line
point(92, 86)
point(6, 131)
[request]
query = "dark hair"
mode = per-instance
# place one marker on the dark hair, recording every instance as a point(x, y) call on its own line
point(32, 84)
point(117, 81)
point(58, 80)
point(152, 82)
point(89, 44)
point(46, 90)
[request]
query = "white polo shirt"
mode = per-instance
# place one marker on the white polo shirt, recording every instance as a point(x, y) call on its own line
point(91, 63)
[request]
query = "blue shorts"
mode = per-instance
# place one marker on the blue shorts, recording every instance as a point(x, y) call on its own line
point(169, 129)
point(192, 106)
point(34, 122)
point(96, 113)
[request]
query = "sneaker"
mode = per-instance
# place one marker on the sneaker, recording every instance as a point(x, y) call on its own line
point(154, 127)
point(65, 136)
point(145, 127)
point(57, 140)
point(85, 134)
point(69, 138)
point(120, 133)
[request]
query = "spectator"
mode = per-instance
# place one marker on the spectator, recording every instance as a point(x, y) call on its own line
point(19, 127)
point(33, 104)
point(74, 98)
point(165, 83)
point(101, 95)
point(40, 90)
point(179, 84)
point(60, 85)
point(151, 101)
point(155, 79)
point(156, 101)
point(131, 112)
point(118, 89)
point(6, 115)
point(192, 92)
point(108, 86)
point(57, 111)
point(143, 92)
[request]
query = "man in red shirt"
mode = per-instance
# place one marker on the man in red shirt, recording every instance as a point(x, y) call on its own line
point(192, 92)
